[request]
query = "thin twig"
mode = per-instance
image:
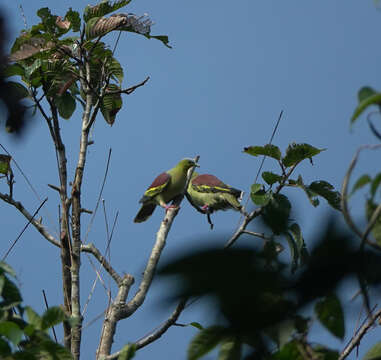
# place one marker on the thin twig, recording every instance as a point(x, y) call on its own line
point(99, 196)
point(47, 307)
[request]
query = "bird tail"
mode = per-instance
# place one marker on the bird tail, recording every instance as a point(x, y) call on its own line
point(144, 213)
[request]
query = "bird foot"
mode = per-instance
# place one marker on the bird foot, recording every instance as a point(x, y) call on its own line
point(166, 207)
point(205, 208)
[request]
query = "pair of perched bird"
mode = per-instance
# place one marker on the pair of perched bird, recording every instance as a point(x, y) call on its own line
point(204, 191)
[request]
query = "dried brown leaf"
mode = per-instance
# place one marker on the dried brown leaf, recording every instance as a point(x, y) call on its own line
point(63, 24)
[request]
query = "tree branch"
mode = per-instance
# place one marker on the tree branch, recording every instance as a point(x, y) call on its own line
point(359, 335)
point(91, 249)
point(40, 228)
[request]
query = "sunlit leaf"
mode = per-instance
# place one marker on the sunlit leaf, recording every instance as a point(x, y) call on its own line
point(52, 316)
point(374, 99)
point(74, 18)
point(33, 318)
point(128, 352)
point(267, 150)
point(230, 349)
point(103, 8)
point(11, 331)
point(196, 325)
point(5, 166)
point(330, 314)
point(259, 196)
point(374, 353)
point(205, 341)
point(111, 104)
point(296, 153)
point(99, 26)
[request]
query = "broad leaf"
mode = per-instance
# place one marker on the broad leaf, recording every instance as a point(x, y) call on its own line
point(289, 351)
point(11, 331)
point(115, 70)
point(163, 38)
point(52, 316)
point(330, 314)
point(103, 8)
point(29, 70)
point(360, 183)
point(295, 232)
point(111, 104)
point(99, 26)
point(311, 196)
point(296, 153)
point(13, 70)
point(326, 190)
point(65, 105)
point(128, 352)
point(276, 213)
point(375, 184)
point(10, 294)
point(259, 196)
point(374, 353)
point(367, 97)
point(267, 150)
point(230, 349)
point(196, 325)
point(205, 341)
point(16, 90)
point(271, 178)
point(3, 265)
point(5, 166)
point(33, 318)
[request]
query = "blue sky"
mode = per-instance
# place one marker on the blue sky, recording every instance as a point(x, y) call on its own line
point(232, 69)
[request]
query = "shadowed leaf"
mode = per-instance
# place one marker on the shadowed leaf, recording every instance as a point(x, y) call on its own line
point(270, 177)
point(368, 98)
point(376, 230)
point(230, 349)
point(276, 213)
point(326, 190)
point(205, 341)
point(360, 183)
point(374, 353)
point(375, 184)
point(330, 314)
point(5, 166)
point(296, 153)
point(66, 105)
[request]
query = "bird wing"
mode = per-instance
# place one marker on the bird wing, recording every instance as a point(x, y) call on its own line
point(158, 185)
point(211, 184)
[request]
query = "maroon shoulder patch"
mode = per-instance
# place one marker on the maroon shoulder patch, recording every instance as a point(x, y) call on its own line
point(207, 180)
point(162, 179)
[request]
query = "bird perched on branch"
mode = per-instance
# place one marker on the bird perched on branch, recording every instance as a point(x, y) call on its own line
point(209, 193)
point(165, 188)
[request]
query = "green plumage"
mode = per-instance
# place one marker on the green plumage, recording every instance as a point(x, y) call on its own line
point(165, 188)
point(211, 194)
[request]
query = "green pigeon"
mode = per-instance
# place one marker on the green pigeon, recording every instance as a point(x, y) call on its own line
point(165, 188)
point(210, 194)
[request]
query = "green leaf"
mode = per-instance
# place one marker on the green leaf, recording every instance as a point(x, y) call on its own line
point(10, 294)
point(33, 318)
point(205, 341)
point(360, 183)
point(11, 331)
point(311, 196)
point(324, 353)
point(128, 352)
point(74, 18)
point(374, 353)
point(52, 316)
point(376, 230)
point(326, 190)
point(13, 70)
point(29, 70)
point(296, 233)
point(99, 26)
point(296, 153)
point(16, 90)
point(65, 104)
point(267, 150)
point(330, 314)
point(103, 8)
point(48, 20)
point(5, 349)
point(282, 332)
point(367, 97)
point(163, 38)
point(375, 184)
point(271, 178)
point(276, 213)
point(5, 166)
point(111, 104)
point(115, 69)
point(3, 265)
point(230, 349)
point(290, 351)
point(258, 195)
point(293, 252)
point(196, 325)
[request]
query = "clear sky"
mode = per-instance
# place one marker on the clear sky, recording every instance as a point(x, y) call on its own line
point(233, 67)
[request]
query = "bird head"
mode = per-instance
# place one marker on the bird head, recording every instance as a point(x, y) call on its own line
point(186, 164)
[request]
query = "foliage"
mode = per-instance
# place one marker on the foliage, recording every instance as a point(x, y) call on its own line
point(26, 339)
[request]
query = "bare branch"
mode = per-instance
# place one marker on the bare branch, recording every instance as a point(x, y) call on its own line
point(359, 335)
point(40, 228)
point(131, 89)
point(256, 234)
point(91, 249)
